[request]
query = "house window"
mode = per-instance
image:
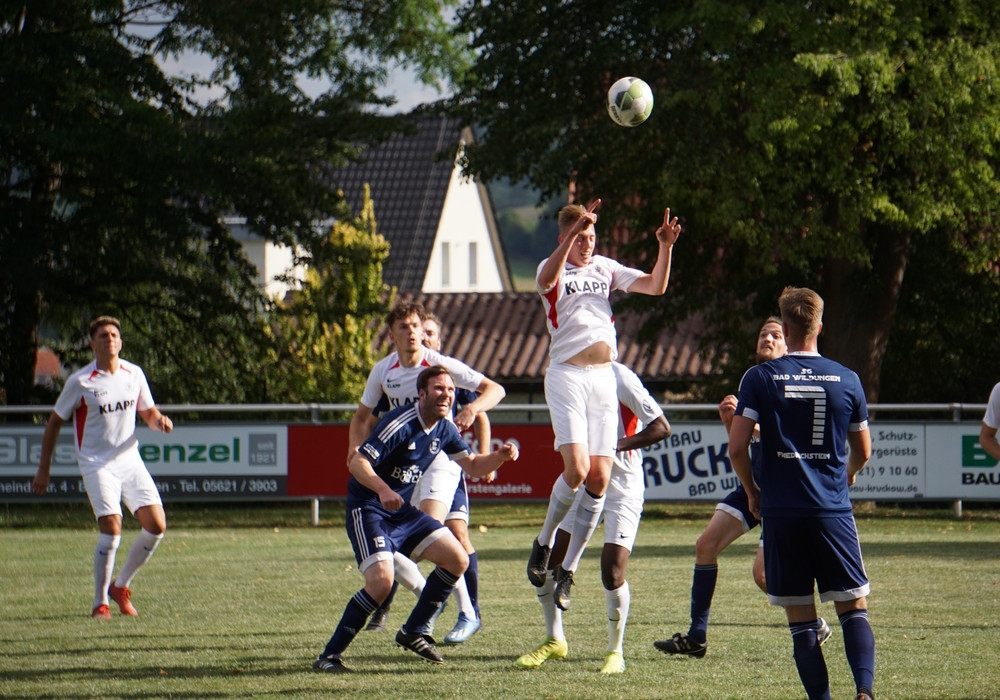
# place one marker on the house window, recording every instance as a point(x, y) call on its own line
point(473, 267)
point(445, 264)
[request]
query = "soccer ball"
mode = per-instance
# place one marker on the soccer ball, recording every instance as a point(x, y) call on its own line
point(630, 101)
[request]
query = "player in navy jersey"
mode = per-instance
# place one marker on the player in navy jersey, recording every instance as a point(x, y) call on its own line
point(442, 491)
point(732, 518)
point(103, 399)
point(381, 520)
point(809, 410)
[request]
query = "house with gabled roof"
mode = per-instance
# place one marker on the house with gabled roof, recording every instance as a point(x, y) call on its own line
point(441, 227)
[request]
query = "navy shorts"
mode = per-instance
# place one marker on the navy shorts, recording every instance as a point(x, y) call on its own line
point(799, 551)
point(376, 533)
point(738, 506)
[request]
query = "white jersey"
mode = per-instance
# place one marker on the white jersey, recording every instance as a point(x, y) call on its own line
point(992, 417)
point(578, 309)
point(103, 406)
point(636, 410)
point(389, 378)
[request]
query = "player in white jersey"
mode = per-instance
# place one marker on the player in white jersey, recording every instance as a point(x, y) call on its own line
point(991, 423)
point(640, 423)
point(575, 286)
point(103, 400)
point(394, 378)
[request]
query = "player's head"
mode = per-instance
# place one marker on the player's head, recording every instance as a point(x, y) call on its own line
point(583, 248)
point(405, 323)
point(106, 336)
point(432, 331)
point(100, 321)
point(770, 340)
point(436, 391)
point(801, 313)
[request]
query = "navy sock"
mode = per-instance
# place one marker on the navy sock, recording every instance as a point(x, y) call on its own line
point(702, 590)
point(809, 660)
point(359, 609)
point(472, 581)
point(859, 646)
point(436, 591)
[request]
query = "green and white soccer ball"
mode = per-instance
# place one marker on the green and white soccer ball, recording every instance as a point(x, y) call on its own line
point(630, 101)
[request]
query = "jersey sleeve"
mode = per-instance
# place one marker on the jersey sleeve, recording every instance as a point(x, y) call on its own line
point(622, 276)
point(634, 395)
point(452, 443)
point(465, 377)
point(373, 387)
point(69, 399)
point(145, 401)
point(748, 401)
point(992, 417)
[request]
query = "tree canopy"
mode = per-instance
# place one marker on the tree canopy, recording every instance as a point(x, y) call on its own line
point(825, 144)
point(115, 176)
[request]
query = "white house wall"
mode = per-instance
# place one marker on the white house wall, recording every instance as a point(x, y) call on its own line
point(463, 222)
point(270, 259)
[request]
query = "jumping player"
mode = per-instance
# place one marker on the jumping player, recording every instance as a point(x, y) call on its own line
point(575, 285)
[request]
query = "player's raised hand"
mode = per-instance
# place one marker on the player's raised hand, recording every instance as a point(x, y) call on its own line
point(670, 230)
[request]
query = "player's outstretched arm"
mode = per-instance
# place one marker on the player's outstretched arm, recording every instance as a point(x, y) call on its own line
point(658, 430)
point(488, 394)
point(655, 283)
point(483, 464)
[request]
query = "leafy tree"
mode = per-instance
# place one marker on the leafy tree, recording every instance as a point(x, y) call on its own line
point(115, 178)
point(824, 144)
point(325, 332)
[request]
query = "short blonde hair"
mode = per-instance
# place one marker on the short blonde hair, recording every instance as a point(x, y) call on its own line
point(801, 311)
point(569, 215)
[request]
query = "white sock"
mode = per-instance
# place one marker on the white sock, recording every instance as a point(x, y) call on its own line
point(408, 573)
point(104, 566)
point(559, 504)
point(142, 549)
point(588, 514)
point(553, 615)
point(461, 593)
point(618, 603)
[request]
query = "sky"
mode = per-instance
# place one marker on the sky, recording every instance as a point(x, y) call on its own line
point(402, 83)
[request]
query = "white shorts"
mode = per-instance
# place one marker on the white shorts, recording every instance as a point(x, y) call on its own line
point(583, 406)
point(110, 485)
point(621, 516)
point(439, 483)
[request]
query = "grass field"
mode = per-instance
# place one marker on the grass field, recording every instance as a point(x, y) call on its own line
point(238, 601)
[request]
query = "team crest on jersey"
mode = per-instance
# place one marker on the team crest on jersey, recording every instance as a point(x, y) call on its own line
point(435, 446)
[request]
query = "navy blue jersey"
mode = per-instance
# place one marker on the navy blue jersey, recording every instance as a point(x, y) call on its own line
point(401, 448)
point(805, 405)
